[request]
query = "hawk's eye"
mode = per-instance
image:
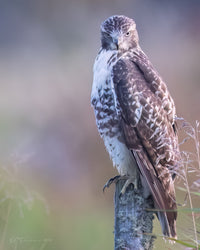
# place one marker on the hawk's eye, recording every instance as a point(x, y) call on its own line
point(128, 33)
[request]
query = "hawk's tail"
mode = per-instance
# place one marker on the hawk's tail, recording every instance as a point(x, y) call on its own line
point(162, 191)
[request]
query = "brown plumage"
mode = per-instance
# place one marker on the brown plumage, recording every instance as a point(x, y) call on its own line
point(135, 116)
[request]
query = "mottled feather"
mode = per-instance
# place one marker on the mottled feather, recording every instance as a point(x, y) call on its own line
point(135, 116)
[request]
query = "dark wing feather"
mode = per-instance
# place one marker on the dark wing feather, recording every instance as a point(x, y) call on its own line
point(149, 135)
point(156, 84)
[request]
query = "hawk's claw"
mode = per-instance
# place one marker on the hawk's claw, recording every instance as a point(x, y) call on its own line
point(129, 180)
point(110, 181)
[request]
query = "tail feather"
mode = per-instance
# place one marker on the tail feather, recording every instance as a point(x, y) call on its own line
point(164, 199)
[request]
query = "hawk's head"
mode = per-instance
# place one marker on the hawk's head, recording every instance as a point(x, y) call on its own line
point(119, 33)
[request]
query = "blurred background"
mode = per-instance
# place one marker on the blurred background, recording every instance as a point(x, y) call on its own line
point(53, 163)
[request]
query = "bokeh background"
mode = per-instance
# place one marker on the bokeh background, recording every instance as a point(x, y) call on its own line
point(53, 163)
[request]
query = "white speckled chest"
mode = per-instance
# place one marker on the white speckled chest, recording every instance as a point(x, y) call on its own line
point(103, 100)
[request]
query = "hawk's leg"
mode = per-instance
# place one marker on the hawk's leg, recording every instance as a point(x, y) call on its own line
point(129, 180)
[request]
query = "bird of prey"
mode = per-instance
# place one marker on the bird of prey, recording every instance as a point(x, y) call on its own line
point(135, 115)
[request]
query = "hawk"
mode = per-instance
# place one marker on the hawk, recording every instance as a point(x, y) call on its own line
point(135, 115)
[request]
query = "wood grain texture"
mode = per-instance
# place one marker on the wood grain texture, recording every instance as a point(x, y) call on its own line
point(133, 223)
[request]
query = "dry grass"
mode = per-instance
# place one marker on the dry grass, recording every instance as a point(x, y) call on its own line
point(189, 174)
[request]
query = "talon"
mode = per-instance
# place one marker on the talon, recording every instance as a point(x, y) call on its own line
point(112, 180)
point(130, 180)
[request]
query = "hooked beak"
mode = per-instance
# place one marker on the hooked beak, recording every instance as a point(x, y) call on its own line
point(116, 42)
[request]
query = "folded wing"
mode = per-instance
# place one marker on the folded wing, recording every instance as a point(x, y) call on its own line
point(147, 125)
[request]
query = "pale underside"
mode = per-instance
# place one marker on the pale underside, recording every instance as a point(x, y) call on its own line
point(106, 115)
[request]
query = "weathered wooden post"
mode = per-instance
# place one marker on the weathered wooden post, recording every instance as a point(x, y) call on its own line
point(133, 221)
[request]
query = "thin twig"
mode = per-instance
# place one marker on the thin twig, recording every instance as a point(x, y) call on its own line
point(197, 142)
point(191, 206)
